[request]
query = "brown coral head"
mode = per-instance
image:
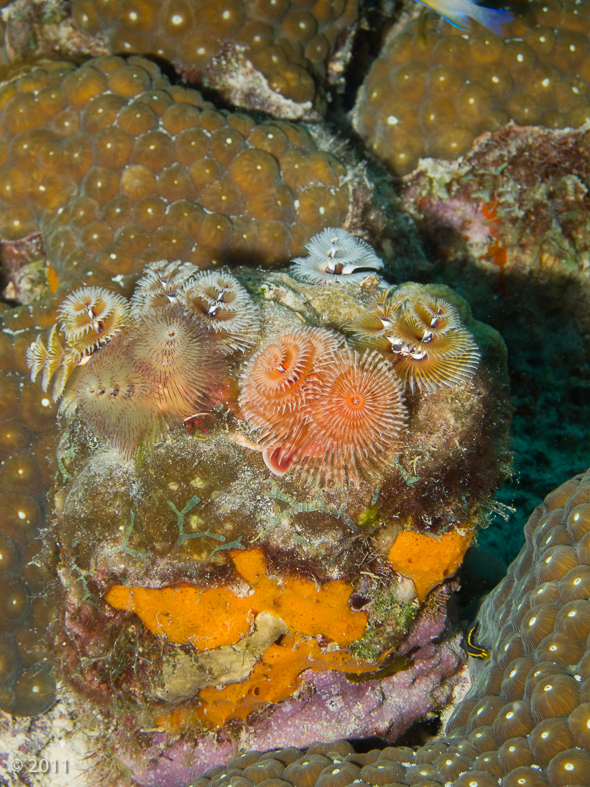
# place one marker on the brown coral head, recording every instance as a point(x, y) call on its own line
point(160, 285)
point(275, 381)
point(91, 316)
point(224, 306)
point(356, 418)
point(178, 358)
point(113, 397)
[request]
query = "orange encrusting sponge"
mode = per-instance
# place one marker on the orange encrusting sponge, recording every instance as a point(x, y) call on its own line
point(274, 678)
point(428, 560)
point(212, 617)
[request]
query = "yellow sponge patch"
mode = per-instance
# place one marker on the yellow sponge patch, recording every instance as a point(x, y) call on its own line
point(274, 678)
point(428, 560)
point(212, 617)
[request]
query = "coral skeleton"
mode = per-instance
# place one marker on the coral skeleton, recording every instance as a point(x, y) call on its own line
point(335, 255)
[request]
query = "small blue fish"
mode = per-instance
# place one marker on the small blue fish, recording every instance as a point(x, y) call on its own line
point(458, 13)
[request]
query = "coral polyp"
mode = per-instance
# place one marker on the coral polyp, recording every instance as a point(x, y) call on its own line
point(356, 417)
point(335, 255)
point(422, 336)
point(223, 305)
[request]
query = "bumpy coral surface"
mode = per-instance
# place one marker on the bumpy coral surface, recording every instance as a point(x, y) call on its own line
point(527, 719)
point(28, 597)
point(434, 89)
point(118, 169)
point(273, 46)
